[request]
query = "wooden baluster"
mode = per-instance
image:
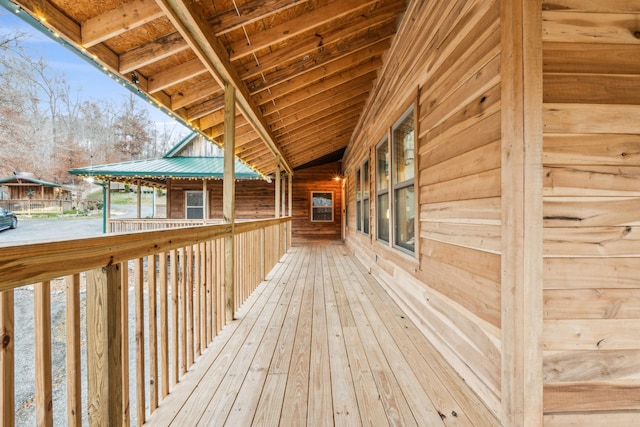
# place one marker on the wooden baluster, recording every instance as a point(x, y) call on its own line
point(42, 320)
point(185, 363)
point(104, 342)
point(74, 385)
point(191, 315)
point(164, 325)
point(209, 283)
point(140, 354)
point(7, 376)
point(203, 295)
point(193, 283)
point(174, 318)
point(124, 295)
point(153, 333)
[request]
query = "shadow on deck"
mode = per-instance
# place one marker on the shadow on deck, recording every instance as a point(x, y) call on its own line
point(320, 343)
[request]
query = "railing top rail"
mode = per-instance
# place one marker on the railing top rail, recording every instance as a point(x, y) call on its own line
point(36, 262)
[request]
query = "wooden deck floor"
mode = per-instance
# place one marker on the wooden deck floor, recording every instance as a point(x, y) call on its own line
point(320, 343)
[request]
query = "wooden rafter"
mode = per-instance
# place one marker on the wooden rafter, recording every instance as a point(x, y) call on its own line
point(196, 31)
point(118, 21)
point(293, 27)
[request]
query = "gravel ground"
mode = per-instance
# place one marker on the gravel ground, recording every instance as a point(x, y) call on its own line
point(32, 231)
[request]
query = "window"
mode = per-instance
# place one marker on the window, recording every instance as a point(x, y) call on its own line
point(395, 170)
point(366, 207)
point(402, 181)
point(321, 206)
point(194, 205)
point(363, 205)
point(382, 189)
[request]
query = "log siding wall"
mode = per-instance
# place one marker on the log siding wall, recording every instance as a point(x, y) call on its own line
point(256, 199)
point(591, 212)
point(446, 59)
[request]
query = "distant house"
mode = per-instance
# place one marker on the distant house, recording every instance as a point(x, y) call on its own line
point(24, 194)
point(191, 174)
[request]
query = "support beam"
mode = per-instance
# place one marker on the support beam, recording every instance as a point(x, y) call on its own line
point(7, 357)
point(228, 198)
point(522, 227)
point(198, 33)
point(278, 189)
point(104, 344)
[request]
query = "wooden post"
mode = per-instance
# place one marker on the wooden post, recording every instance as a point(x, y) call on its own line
point(138, 200)
point(290, 194)
point(205, 201)
point(229, 197)
point(278, 199)
point(42, 321)
point(7, 377)
point(74, 384)
point(104, 344)
point(522, 382)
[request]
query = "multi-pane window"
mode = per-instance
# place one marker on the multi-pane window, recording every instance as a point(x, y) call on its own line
point(402, 181)
point(395, 172)
point(382, 189)
point(321, 206)
point(194, 205)
point(363, 204)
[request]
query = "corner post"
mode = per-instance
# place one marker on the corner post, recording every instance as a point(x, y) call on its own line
point(104, 345)
point(228, 197)
point(522, 225)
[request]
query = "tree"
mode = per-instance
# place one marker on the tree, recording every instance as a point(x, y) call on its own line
point(131, 130)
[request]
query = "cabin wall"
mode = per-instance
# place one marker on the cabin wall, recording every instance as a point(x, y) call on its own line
point(446, 58)
point(321, 179)
point(591, 54)
point(254, 198)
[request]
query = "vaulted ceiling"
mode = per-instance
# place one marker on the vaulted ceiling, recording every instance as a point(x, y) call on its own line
point(302, 69)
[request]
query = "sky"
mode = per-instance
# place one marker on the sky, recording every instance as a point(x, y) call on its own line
point(81, 75)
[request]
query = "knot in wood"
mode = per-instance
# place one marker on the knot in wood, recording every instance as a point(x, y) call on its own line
point(6, 339)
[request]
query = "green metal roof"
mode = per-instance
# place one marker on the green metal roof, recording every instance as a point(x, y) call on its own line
point(30, 180)
point(168, 167)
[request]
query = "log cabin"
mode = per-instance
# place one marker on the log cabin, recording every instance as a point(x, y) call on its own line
point(490, 267)
point(191, 174)
point(25, 194)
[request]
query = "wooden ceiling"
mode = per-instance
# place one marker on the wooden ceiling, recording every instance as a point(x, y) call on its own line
point(302, 68)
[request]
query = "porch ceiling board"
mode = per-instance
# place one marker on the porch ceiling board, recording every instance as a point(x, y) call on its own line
point(289, 60)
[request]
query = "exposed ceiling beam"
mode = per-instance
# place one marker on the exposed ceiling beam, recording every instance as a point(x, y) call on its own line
point(119, 20)
point(154, 51)
point(195, 93)
point(296, 90)
point(197, 32)
point(249, 12)
point(293, 27)
point(326, 65)
point(175, 75)
point(379, 23)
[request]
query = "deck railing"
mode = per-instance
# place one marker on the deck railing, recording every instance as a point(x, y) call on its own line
point(34, 206)
point(128, 225)
point(149, 339)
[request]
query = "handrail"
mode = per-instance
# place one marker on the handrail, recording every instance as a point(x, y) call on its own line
point(179, 284)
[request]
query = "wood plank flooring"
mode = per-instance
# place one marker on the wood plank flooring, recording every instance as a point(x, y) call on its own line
point(320, 343)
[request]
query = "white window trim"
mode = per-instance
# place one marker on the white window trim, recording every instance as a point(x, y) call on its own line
point(332, 206)
point(187, 206)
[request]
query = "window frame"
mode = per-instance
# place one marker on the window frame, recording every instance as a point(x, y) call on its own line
point(384, 191)
point(187, 206)
point(365, 197)
point(312, 207)
point(395, 187)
